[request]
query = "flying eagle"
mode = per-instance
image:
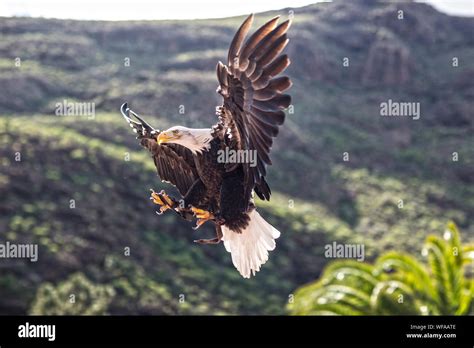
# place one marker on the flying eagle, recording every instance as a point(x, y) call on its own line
point(213, 187)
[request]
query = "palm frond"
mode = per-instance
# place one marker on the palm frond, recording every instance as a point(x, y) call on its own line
point(397, 283)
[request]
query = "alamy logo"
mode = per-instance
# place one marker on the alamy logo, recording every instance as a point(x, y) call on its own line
point(19, 251)
point(237, 156)
point(37, 331)
point(402, 109)
point(67, 108)
point(345, 251)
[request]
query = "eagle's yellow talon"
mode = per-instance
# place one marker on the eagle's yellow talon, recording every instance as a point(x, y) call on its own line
point(156, 199)
point(202, 215)
point(167, 199)
point(163, 200)
point(196, 210)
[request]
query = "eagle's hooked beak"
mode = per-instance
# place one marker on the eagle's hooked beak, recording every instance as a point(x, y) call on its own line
point(164, 138)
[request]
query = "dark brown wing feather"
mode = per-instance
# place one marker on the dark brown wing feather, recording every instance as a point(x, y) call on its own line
point(253, 95)
point(174, 163)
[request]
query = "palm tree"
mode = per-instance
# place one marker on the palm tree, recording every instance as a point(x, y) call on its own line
point(397, 283)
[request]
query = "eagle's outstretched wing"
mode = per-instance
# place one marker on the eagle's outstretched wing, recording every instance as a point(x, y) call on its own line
point(174, 163)
point(253, 95)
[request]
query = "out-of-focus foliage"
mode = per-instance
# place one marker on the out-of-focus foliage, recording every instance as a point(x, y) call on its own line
point(397, 283)
point(74, 296)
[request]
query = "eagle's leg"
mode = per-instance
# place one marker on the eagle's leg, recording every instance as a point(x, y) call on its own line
point(216, 240)
point(202, 215)
point(163, 200)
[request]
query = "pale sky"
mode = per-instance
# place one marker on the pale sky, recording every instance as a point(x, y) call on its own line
point(173, 9)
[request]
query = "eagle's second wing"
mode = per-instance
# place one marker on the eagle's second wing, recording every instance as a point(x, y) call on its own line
point(174, 163)
point(253, 95)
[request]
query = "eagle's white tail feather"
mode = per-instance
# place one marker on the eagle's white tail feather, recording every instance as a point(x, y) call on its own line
point(250, 248)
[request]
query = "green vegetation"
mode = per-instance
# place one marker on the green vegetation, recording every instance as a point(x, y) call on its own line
point(74, 296)
point(397, 283)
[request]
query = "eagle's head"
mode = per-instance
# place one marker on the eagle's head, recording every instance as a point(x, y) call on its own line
point(196, 140)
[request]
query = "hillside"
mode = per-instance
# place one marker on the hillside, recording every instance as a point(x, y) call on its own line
point(318, 197)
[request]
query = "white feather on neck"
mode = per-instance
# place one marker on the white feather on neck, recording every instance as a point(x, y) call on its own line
point(203, 138)
point(195, 139)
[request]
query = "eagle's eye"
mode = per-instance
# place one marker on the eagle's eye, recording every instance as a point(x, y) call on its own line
point(175, 132)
